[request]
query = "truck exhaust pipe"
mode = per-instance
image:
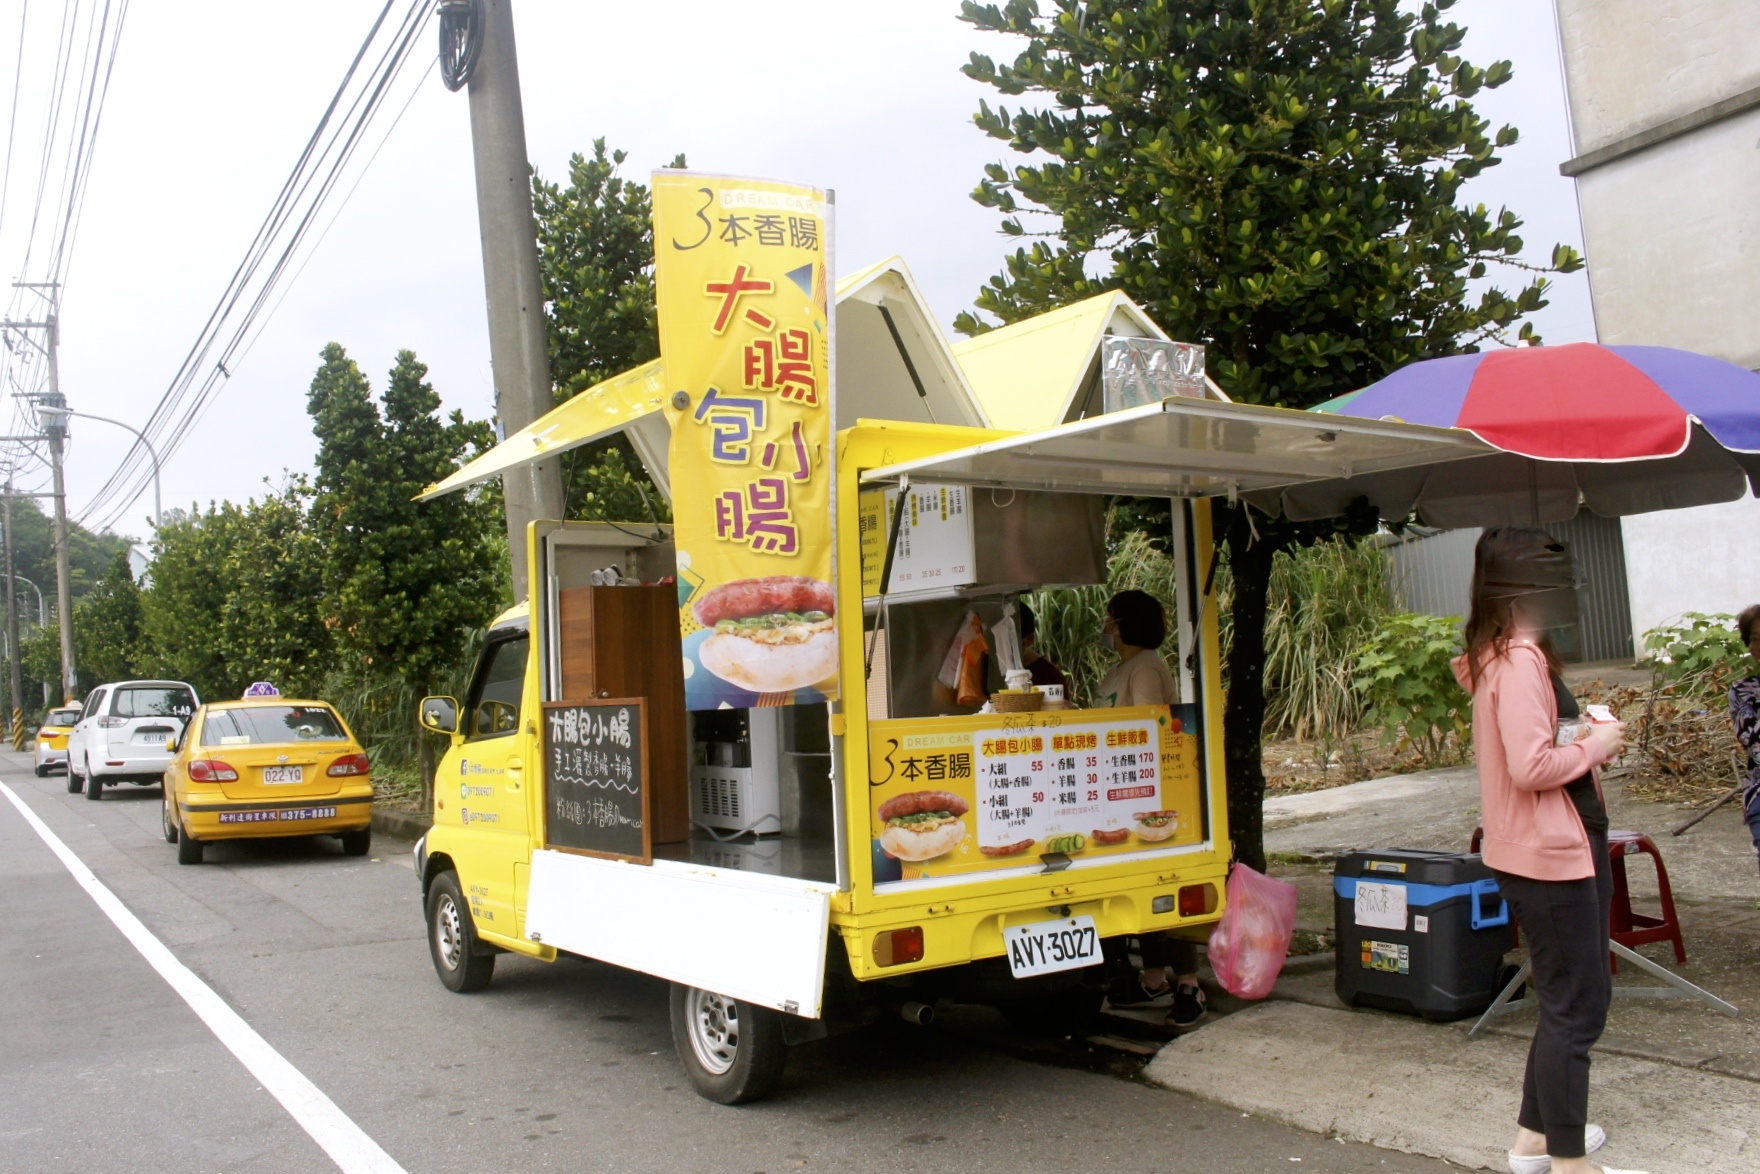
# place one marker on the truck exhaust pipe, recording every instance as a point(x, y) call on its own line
point(921, 1014)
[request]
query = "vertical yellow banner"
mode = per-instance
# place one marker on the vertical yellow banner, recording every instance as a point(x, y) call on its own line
point(743, 275)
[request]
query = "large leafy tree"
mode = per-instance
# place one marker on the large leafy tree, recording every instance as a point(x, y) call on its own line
point(234, 596)
point(404, 582)
point(1280, 180)
point(107, 626)
point(596, 254)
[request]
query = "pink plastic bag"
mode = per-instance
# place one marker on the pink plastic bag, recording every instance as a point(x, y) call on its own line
point(1249, 944)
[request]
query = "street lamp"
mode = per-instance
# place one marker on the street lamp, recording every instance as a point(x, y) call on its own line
point(53, 415)
point(42, 611)
point(42, 622)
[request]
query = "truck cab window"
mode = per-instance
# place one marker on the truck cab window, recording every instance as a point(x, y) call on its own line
point(493, 708)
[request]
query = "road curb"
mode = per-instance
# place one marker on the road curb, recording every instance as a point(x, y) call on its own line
point(402, 825)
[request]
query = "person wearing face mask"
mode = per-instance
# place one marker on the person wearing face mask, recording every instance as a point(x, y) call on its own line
point(1135, 629)
point(1545, 829)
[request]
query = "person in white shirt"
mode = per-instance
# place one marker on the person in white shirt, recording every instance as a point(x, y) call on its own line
point(1135, 629)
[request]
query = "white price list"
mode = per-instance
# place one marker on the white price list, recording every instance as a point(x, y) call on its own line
point(1067, 780)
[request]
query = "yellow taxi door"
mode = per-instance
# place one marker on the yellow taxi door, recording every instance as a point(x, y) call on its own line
point(480, 784)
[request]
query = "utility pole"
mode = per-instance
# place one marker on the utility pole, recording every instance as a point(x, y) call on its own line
point(55, 429)
point(16, 680)
point(518, 350)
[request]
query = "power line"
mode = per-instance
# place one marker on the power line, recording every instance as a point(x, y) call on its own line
point(317, 172)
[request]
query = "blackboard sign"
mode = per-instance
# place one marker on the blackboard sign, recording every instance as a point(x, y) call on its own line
point(595, 778)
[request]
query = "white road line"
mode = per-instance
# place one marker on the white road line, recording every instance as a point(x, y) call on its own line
point(347, 1144)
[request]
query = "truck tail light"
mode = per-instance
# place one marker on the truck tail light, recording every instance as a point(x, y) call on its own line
point(211, 770)
point(1197, 899)
point(895, 947)
point(351, 764)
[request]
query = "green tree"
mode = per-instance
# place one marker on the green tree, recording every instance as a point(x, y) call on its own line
point(404, 582)
point(1277, 179)
point(596, 255)
point(234, 595)
point(107, 627)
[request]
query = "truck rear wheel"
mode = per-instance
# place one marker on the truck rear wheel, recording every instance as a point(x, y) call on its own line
point(462, 965)
point(732, 1051)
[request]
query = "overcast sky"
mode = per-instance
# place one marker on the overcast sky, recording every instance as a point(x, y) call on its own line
point(212, 99)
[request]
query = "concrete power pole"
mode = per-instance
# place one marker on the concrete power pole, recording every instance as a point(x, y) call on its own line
point(16, 667)
point(517, 346)
point(56, 428)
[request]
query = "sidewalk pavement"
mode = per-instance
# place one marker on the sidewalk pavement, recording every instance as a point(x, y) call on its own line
point(1676, 1085)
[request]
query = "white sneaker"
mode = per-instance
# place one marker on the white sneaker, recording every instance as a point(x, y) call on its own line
point(1594, 1137)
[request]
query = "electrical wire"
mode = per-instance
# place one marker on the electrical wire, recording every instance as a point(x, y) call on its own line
point(249, 297)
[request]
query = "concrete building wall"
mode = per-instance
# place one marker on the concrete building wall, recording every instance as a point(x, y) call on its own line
point(1673, 240)
point(1700, 560)
point(1671, 231)
point(1630, 64)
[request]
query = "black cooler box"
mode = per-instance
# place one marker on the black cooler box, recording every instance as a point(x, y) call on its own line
point(1419, 932)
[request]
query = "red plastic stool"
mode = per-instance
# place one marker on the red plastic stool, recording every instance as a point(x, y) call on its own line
point(1634, 929)
point(1629, 929)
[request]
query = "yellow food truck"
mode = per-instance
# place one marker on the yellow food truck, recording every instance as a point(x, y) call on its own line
point(698, 753)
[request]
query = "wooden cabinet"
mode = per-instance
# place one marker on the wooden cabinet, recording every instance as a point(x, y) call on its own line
point(624, 642)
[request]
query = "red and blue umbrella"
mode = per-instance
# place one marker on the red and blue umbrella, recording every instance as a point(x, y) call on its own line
point(1613, 429)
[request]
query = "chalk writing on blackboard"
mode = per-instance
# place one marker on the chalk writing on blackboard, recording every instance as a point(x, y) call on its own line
point(595, 774)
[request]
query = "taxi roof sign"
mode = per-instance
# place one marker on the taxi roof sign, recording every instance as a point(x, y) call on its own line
point(262, 689)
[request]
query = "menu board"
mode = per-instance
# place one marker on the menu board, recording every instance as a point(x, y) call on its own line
point(997, 791)
point(1042, 784)
point(935, 547)
point(595, 778)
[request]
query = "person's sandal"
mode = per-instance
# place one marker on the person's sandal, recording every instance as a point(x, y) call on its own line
point(1594, 1137)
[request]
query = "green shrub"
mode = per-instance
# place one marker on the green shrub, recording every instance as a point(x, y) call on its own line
point(1701, 655)
point(1404, 676)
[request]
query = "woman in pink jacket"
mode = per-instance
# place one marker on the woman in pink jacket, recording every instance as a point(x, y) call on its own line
point(1545, 829)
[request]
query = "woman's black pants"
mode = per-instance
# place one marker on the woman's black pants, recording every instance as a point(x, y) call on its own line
point(1564, 925)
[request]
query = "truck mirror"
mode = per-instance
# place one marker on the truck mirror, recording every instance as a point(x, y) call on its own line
point(440, 714)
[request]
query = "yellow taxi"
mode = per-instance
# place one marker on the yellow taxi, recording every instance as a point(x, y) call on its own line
point(52, 738)
point(266, 766)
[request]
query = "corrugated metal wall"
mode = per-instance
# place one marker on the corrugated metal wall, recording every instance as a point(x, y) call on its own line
point(1433, 574)
point(1598, 552)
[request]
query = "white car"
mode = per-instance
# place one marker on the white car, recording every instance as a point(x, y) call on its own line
point(122, 733)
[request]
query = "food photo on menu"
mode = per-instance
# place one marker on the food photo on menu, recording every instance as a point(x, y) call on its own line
point(960, 794)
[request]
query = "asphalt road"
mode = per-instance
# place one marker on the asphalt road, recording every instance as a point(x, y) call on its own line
point(566, 1066)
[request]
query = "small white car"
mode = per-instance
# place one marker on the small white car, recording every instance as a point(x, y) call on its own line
point(122, 733)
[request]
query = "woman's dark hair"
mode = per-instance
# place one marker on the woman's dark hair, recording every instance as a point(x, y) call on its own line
point(1748, 624)
point(1141, 622)
point(1023, 616)
point(1490, 623)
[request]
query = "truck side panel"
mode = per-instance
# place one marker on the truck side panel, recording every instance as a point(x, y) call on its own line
point(747, 935)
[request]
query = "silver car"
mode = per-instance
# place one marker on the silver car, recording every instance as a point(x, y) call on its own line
point(122, 733)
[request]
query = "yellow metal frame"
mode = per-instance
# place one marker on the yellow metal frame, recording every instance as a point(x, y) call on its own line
point(964, 922)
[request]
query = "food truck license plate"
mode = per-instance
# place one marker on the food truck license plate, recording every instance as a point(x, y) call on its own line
point(1046, 947)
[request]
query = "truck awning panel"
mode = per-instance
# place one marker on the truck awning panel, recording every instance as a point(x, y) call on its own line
point(1191, 448)
point(592, 415)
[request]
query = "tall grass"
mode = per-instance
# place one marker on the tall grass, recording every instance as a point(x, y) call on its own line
point(380, 708)
point(1325, 602)
point(1070, 618)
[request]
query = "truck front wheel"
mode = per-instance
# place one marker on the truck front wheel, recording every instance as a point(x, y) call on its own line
point(732, 1051)
point(462, 965)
